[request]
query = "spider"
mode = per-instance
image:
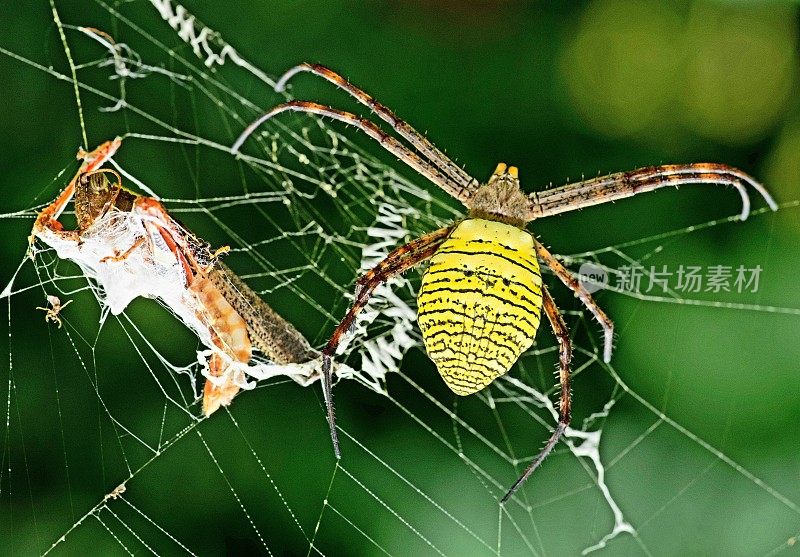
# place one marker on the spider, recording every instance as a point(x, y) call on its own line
point(481, 297)
point(53, 312)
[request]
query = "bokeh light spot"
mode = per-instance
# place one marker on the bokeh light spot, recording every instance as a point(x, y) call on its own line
point(620, 65)
point(740, 71)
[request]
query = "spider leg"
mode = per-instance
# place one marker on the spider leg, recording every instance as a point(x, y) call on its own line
point(626, 184)
point(574, 284)
point(565, 356)
point(398, 261)
point(386, 141)
point(420, 142)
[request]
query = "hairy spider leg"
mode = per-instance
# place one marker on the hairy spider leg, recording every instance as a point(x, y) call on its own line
point(421, 143)
point(398, 261)
point(627, 184)
point(386, 141)
point(564, 408)
point(585, 296)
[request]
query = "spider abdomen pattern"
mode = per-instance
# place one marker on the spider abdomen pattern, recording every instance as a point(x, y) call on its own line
point(480, 302)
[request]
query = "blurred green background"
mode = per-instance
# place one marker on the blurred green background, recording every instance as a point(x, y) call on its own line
point(586, 88)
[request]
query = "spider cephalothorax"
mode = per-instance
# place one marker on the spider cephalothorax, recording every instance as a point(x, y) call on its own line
point(481, 298)
point(501, 199)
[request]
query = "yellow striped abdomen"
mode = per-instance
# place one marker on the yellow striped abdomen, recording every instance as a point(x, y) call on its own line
point(480, 302)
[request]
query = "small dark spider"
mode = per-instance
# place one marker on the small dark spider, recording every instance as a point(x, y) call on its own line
point(475, 326)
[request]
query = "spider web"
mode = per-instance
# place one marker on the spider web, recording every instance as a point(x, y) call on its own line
point(303, 211)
